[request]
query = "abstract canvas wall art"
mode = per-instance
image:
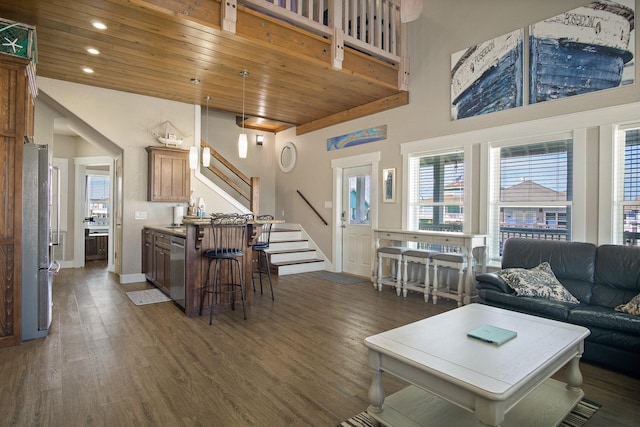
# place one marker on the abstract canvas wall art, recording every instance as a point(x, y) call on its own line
point(487, 77)
point(356, 138)
point(587, 49)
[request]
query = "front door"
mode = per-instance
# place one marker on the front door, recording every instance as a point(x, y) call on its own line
point(356, 221)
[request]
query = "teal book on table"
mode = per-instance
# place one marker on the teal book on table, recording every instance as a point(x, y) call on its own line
point(492, 334)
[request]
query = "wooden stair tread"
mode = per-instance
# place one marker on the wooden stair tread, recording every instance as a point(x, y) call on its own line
point(291, 251)
point(302, 261)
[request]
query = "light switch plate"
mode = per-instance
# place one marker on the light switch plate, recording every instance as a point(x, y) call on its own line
point(141, 215)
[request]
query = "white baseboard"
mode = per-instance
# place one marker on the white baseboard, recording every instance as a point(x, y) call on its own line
point(132, 278)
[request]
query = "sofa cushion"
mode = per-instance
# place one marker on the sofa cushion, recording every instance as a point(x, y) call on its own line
point(492, 281)
point(579, 289)
point(605, 318)
point(607, 296)
point(632, 307)
point(618, 267)
point(568, 260)
point(536, 306)
point(536, 282)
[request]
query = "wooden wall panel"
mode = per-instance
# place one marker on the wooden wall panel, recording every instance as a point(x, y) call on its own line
point(16, 123)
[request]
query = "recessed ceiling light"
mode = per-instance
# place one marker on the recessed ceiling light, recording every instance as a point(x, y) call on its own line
point(93, 51)
point(99, 25)
point(87, 70)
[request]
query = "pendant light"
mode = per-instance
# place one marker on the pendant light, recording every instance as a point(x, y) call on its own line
point(242, 139)
point(206, 151)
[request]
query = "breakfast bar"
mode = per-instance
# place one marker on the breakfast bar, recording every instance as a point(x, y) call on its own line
point(197, 239)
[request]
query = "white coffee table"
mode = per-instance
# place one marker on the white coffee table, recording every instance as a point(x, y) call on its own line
point(457, 380)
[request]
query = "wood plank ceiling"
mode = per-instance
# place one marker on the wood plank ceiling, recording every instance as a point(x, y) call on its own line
point(156, 47)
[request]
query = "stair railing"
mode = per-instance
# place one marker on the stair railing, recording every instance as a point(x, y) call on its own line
point(312, 208)
point(252, 196)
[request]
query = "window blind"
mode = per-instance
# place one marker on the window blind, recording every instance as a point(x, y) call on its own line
point(436, 191)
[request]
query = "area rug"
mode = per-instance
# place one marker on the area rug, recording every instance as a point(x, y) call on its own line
point(340, 278)
point(148, 296)
point(577, 418)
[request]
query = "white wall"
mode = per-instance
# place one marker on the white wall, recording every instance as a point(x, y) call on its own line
point(444, 27)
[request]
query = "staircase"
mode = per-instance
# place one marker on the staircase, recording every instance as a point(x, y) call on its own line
point(290, 252)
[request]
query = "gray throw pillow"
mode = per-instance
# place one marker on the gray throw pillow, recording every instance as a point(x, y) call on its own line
point(537, 282)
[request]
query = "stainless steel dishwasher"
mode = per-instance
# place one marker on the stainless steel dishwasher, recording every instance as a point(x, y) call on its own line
point(177, 270)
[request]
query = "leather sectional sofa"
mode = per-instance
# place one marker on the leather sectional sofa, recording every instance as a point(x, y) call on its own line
point(600, 277)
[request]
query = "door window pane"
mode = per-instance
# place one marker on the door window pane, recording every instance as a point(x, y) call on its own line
point(359, 199)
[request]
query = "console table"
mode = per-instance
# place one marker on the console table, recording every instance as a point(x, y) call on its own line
point(467, 242)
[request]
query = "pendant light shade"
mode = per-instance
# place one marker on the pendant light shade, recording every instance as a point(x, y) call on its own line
point(242, 139)
point(206, 157)
point(193, 157)
point(206, 151)
point(242, 145)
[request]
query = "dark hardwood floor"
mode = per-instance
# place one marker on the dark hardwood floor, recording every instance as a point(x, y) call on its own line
point(298, 361)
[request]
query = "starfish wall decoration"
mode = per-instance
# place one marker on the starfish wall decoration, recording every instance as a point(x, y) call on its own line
point(12, 44)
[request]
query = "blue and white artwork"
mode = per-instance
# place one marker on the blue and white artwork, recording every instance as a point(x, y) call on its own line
point(356, 138)
point(487, 77)
point(587, 49)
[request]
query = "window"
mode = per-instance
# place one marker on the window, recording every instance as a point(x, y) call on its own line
point(436, 192)
point(530, 192)
point(359, 196)
point(98, 198)
point(626, 221)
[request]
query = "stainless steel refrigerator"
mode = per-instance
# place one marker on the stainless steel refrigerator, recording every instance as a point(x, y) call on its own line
point(37, 240)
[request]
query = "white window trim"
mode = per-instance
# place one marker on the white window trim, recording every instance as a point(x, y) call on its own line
point(610, 163)
point(490, 154)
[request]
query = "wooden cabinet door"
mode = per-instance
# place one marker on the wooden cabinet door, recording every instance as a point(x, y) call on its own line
point(169, 175)
point(16, 124)
point(147, 254)
point(161, 261)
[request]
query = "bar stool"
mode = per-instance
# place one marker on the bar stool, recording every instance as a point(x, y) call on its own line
point(261, 258)
point(228, 239)
point(417, 279)
point(394, 254)
point(449, 260)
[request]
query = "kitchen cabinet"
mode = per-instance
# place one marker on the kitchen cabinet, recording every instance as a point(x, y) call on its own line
point(162, 262)
point(96, 247)
point(147, 254)
point(17, 80)
point(169, 177)
point(156, 258)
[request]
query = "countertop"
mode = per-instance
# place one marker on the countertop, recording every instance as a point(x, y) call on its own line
point(206, 220)
point(174, 230)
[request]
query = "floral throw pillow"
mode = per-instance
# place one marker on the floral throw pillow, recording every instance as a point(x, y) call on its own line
point(632, 307)
point(536, 282)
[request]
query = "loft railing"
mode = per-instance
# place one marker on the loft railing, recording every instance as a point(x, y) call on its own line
point(248, 188)
point(370, 26)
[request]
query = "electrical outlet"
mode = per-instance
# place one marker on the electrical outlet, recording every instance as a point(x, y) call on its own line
point(283, 213)
point(141, 215)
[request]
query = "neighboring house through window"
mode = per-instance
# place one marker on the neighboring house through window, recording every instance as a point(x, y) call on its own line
point(530, 191)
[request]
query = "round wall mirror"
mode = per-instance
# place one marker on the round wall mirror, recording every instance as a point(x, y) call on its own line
point(287, 158)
